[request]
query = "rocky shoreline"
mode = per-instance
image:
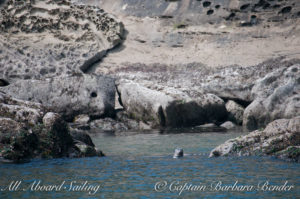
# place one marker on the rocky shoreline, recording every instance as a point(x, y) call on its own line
point(58, 82)
point(279, 139)
point(29, 131)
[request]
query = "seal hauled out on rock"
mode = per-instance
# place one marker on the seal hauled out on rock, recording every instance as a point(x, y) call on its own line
point(178, 153)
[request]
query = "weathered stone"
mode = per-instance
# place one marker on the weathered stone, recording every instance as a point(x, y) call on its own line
point(277, 96)
point(276, 140)
point(172, 109)
point(69, 95)
point(21, 111)
point(81, 136)
point(142, 103)
point(290, 153)
point(47, 136)
point(88, 151)
point(49, 38)
point(235, 111)
point(82, 119)
point(107, 125)
point(50, 118)
point(9, 126)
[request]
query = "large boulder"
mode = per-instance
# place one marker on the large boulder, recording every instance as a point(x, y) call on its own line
point(171, 109)
point(280, 138)
point(49, 38)
point(277, 95)
point(235, 111)
point(69, 95)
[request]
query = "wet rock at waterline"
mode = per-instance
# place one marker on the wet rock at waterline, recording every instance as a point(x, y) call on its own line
point(69, 95)
point(174, 109)
point(281, 138)
point(50, 38)
point(48, 137)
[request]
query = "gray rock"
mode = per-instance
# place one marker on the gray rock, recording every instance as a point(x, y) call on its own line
point(235, 111)
point(228, 125)
point(173, 109)
point(81, 136)
point(236, 82)
point(142, 103)
point(20, 111)
point(51, 38)
point(69, 95)
point(82, 119)
point(131, 124)
point(9, 126)
point(86, 150)
point(49, 137)
point(290, 153)
point(107, 125)
point(277, 96)
point(50, 119)
point(276, 140)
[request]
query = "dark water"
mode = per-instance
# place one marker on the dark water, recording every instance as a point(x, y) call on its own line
point(136, 163)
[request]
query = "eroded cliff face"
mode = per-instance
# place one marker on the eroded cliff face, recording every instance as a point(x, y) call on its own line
point(199, 54)
point(51, 38)
point(48, 44)
point(192, 48)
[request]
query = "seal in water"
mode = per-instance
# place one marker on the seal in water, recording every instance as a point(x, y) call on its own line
point(178, 153)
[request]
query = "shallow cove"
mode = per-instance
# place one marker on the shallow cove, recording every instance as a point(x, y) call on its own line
point(135, 163)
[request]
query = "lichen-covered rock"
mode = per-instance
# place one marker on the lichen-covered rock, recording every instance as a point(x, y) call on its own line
point(170, 108)
point(22, 138)
point(281, 138)
point(69, 95)
point(9, 126)
point(20, 111)
point(276, 96)
point(235, 111)
point(49, 38)
point(291, 153)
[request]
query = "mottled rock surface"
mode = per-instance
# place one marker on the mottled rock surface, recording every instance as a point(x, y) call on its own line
point(170, 107)
point(69, 95)
point(281, 138)
point(277, 95)
point(236, 112)
point(49, 38)
point(27, 131)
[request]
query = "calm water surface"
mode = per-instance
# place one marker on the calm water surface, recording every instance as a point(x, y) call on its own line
point(136, 163)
